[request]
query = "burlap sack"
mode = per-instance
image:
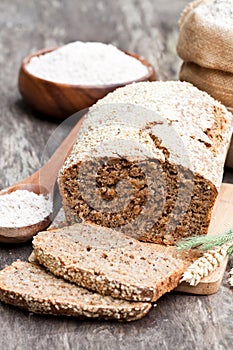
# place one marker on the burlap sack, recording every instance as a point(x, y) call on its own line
point(206, 35)
point(217, 83)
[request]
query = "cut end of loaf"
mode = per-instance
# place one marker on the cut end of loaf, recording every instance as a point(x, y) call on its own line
point(160, 213)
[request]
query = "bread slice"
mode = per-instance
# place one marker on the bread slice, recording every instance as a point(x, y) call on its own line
point(106, 261)
point(30, 287)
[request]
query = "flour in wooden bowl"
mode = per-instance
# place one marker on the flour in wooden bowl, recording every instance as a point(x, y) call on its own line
point(87, 63)
point(23, 208)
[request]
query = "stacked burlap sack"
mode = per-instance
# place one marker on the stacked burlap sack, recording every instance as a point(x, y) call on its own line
point(205, 44)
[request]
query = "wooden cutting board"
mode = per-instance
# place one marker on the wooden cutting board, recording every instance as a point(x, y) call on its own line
point(221, 221)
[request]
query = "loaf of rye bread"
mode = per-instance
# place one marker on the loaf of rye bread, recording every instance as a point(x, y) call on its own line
point(108, 262)
point(30, 287)
point(148, 161)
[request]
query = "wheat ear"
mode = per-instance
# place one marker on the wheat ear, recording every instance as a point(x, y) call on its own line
point(204, 265)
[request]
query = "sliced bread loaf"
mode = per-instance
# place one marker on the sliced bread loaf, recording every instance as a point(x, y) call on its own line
point(108, 262)
point(30, 287)
point(148, 161)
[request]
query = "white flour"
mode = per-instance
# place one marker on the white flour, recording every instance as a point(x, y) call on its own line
point(23, 208)
point(90, 63)
point(220, 11)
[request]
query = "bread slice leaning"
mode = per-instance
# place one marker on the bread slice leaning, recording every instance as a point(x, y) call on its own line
point(30, 287)
point(108, 262)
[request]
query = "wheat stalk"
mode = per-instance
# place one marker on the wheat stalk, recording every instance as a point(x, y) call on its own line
point(204, 265)
point(207, 242)
point(216, 249)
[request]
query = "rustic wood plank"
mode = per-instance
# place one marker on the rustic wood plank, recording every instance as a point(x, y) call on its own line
point(148, 28)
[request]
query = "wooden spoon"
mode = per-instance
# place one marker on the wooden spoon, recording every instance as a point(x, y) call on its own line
point(41, 182)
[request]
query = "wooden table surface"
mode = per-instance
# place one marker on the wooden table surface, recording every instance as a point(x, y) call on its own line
point(147, 27)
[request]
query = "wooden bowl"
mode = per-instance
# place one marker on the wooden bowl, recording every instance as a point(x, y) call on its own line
point(59, 100)
point(24, 233)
